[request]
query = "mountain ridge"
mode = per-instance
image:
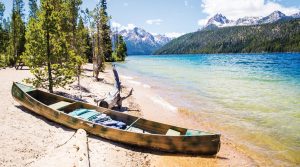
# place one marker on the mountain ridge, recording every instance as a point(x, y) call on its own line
point(220, 20)
point(141, 42)
point(280, 36)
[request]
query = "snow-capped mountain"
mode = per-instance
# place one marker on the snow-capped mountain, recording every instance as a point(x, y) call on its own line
point(247, 21)
point(275, 16)
point(162, 39)
point(220, 20)
point(139, 41)
point(296, 15)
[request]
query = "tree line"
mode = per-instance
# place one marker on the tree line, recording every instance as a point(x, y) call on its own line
point(281, 36)
point(57, 39)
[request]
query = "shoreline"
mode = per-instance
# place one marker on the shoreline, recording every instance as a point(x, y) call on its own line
point(47, 134)
point(170, 114)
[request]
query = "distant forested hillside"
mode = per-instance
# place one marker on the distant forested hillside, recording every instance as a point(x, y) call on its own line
point(282, 36)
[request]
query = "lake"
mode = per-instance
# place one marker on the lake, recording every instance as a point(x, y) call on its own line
point(254, 99)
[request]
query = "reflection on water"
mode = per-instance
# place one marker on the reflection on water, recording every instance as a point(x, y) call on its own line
point(253, 98)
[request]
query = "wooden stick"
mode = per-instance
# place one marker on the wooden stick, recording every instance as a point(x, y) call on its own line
point(82, 156)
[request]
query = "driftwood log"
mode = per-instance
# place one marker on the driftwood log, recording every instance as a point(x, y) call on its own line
point(114, 98)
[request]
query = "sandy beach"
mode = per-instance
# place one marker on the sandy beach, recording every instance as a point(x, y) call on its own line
point(30, 140)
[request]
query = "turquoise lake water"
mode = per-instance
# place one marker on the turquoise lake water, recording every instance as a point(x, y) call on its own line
point(252, 98)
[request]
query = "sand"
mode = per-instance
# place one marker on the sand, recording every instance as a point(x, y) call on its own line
point(27, 139)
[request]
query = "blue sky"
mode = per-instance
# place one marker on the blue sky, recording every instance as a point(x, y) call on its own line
point(181, 16)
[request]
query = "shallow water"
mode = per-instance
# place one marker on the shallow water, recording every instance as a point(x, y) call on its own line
point(252, 98)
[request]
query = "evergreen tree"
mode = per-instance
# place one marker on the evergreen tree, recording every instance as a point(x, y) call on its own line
point(33, 8)
point(17, 32)
point(81, 46)
point(18, 7)
point(89, 44)
point(72, 17)
point(49, 53)
point(105, 32)
point(89, 38)
point(98, 54)
point(3, 36)
point(81, 39)
point(120, 49)
point(2, 9)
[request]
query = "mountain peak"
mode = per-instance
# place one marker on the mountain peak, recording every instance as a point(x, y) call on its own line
point(274, 16)
point(139, 41)
point(218, 19)
point(277, 13)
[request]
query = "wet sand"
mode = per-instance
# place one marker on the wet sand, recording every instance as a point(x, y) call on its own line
point(29, 140)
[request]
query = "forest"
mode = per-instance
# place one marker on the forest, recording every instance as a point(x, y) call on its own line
point(56, 38)
point(281, 36)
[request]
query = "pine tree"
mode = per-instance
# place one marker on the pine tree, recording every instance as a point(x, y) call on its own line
point(3, 36)
point(122, 48)
point(98, 56)
point(2, 9)
point(89, 38)
point(89, 44)
point(105, 32)
point(18, 7)
point(120, 51)
point(81, 47)
point(49, 53)
point(17, 32)
point(81, 39)
point(33, 7)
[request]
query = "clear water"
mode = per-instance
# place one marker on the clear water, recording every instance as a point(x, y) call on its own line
point(252, 98)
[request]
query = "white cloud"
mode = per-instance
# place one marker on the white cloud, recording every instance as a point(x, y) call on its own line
point(115, 24)
point(118, 26)
point(186, 3)
point(154, 21)
point(202, 22)
point(173, 34)
point(234, 9)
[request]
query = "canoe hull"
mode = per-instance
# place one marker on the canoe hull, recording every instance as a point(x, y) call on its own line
point(206, 144)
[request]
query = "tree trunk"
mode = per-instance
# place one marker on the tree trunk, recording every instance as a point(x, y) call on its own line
point(98, 55)
point(48, 53)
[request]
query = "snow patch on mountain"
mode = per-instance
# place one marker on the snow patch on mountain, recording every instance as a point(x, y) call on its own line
point(275, 16)
point(296, 15)
point(139, 41)
point(220, 20)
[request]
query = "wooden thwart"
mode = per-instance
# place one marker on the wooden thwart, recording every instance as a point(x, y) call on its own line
point(59, 105)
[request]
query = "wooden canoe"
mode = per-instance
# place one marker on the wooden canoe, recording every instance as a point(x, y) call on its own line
point(144, 133)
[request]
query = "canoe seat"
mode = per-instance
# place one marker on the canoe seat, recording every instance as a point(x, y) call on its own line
point(172, 132)
point(190, 132)
point(59, 105)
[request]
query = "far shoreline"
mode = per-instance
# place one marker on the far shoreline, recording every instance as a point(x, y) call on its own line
point(229, 53)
